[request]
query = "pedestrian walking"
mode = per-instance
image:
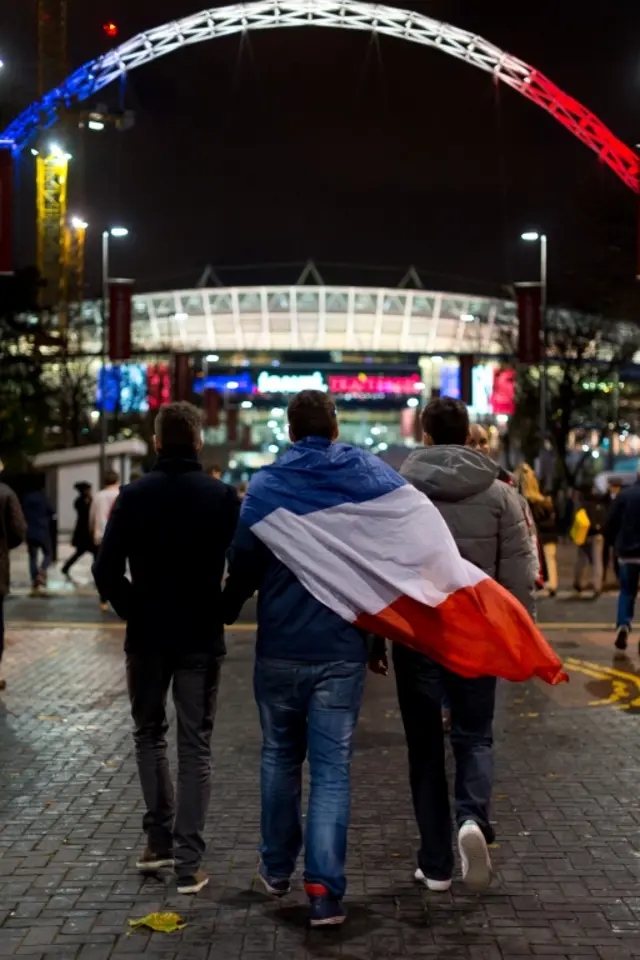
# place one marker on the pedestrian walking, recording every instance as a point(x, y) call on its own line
point(99, 513)
point(487, 521)
point(590, 552)
point(82, 539)
point(544, 517)
point(173, 527)
point(309, 681)
point(13, 530)
point(623, 531)
point(39, 515)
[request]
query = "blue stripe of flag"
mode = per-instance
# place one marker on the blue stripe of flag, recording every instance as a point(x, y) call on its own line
point(315, 475)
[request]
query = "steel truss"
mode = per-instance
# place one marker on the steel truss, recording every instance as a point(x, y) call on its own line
point(348, 15)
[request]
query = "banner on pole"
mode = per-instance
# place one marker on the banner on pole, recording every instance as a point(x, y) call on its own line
point(6, 209)
point(467, 362)
point(120, 301)
point(528, 297)
point(182, 379)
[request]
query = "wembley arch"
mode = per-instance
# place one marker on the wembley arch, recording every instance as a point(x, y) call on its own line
point(343, 14)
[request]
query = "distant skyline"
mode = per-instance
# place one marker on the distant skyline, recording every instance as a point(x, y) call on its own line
point(294, 144)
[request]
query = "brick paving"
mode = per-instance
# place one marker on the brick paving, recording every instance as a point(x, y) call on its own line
point(567, 812)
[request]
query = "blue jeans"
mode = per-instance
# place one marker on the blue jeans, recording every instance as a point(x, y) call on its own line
point(629, 575)
point(35, 547)
point(307, 708)
point(423, 686)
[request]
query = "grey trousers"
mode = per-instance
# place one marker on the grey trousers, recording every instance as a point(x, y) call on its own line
point(174, 825)
point(591, 554)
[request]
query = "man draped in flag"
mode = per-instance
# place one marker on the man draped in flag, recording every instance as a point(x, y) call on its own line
point(339, 544)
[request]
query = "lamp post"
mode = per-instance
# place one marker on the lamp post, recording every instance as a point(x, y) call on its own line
point(116, 233)
point(533, 236)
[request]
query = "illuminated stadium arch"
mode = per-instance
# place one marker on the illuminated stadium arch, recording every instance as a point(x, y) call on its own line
point(346, 14)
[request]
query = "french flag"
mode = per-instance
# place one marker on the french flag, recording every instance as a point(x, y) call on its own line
point(371, 547)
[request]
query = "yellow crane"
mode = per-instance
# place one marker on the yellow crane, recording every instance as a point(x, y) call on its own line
point(60, 242)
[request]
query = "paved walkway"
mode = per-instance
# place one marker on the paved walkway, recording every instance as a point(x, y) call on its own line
point(567, 813)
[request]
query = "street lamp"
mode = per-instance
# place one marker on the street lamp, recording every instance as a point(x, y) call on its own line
point(532, 236)
point(117, 233)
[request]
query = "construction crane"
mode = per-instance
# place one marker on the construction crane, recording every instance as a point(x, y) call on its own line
point(60, 239)
point(52, 164)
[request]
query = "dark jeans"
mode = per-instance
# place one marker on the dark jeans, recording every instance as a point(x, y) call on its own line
point(307, 708)
point(422, 687)
point(35, 548)
point(76, 556)
point(169, 825)
point(629, 575)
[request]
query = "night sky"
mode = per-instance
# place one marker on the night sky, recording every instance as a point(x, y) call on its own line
point(296, 144)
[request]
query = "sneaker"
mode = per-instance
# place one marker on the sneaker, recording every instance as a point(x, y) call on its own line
point(193, 885)
point(151, 861)
point(436, 886)
point(275, 888)
point(474, 854)
point(326, 910)
point(622, 636)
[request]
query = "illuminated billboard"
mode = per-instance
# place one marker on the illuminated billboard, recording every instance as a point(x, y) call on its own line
point(375, 383)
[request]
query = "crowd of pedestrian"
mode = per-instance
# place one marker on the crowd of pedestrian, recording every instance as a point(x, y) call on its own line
point(161, 547)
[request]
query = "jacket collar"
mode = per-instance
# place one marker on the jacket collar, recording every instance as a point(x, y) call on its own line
point(177, 460)
point(313, 442)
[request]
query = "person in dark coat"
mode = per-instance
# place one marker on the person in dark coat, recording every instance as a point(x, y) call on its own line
point(591, 552)
point(173, 526)
point(39, 515)
point(82, 539)
point(13, 530)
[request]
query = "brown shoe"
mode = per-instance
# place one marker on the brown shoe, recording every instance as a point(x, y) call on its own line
point(3, 684)
point(193, 885)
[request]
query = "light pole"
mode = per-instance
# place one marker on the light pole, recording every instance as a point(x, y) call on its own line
point(533, 236)
point(117, 233)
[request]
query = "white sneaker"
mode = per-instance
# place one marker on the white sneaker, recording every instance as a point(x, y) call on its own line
point(436, 886)
point(474, 854)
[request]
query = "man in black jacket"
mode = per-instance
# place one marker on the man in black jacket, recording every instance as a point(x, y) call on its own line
point(623, 530)
point(173, 526)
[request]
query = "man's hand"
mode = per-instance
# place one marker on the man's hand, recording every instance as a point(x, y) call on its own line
point(379, 665)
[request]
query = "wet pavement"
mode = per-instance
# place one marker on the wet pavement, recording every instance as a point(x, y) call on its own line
point(567, 814)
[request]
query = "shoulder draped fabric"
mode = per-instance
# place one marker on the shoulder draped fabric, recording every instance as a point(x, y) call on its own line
point(375, 550)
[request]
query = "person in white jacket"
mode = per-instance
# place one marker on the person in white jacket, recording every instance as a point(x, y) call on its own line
point(101, 507)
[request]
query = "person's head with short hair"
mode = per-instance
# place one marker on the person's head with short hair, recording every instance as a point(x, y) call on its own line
point(111, 478)
point(312, 413)
point(215, 471)
point(178, 429)
point(445, 421)
point(478, 438)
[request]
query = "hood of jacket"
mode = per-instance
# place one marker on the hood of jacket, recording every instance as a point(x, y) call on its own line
point(449, 472)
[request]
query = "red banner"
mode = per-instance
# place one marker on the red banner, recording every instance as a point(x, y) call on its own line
point(6, 210)
point(467, 362)
point(529, 323)
point(232, 425)
point(158, 385)
point(120, 301)
point(503, 398)
point(212, 408)
point(182, 380)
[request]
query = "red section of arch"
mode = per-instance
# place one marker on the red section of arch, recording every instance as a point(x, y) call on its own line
point(585, 126)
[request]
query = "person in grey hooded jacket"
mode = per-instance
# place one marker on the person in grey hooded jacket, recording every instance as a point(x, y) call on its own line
point(488, 523)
